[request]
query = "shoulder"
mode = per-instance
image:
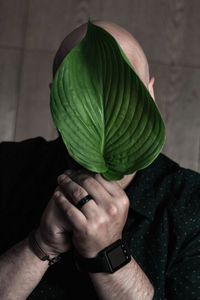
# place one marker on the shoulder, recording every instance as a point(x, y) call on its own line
point(25, 152)
point(185, 204)
point(183, 183)
point(174, 188)
point(8, 147)
point(23, 164)
point(179, 189)
point(175, 179)
point(27, 180)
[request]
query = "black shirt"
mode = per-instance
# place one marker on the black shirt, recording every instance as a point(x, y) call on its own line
point(162, 228)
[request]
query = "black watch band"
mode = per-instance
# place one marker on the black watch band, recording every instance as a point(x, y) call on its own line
point(108, 260)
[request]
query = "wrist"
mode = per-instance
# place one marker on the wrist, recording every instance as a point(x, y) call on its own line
point(43, 245)
point(108, 260)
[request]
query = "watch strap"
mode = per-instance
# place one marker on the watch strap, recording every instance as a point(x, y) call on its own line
point(84, 264)
point(103, 262)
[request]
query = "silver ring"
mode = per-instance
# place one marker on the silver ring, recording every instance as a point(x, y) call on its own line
point(83, 201)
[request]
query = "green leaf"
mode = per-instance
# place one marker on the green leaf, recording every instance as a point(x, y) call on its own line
point(103, 111)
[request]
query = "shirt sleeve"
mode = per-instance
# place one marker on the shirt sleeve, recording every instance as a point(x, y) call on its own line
point(17, 163)
point(183, 274)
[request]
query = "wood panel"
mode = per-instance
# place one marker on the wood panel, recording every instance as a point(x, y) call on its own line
point(12, 31)
point(10, 60)
point(183, 117)
point(178, 100)
point(146, 20)
point(51, 20)
point(34, 117)
point(12, 18)
point(185, 31)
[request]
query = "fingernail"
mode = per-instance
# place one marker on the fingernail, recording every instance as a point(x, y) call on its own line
point(61, 178)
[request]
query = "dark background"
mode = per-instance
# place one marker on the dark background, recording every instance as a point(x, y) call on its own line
point(168, 30)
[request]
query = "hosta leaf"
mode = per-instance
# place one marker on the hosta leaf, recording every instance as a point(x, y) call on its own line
point(103, 111)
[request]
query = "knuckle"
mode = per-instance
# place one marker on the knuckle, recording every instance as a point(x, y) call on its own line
point(112, 210)
point(124, 201)
point(58, 193)
point(85, 180)
point(101, 220)
point(59, 198)
point(69, 212)
point(61, 203)
point(55, 194)
point(77, 193)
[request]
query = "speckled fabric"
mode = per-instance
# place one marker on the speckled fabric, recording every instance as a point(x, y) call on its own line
point(162, 228)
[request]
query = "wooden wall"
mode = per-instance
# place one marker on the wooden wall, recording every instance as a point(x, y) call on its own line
point(168, 30)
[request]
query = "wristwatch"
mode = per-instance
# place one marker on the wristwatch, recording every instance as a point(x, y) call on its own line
point(108, 260)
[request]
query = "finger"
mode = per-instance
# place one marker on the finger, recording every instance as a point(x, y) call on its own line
point(74, 191)
point(92, 186)
point(112, 187)
point(116, 189)
point(58, 212)
point(74, 216)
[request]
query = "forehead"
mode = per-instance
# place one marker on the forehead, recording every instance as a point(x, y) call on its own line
point(127, 42)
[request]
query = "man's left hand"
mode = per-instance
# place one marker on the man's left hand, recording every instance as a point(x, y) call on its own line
point(100, 221)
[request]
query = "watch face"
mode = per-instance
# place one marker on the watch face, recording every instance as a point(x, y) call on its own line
point(116, 257)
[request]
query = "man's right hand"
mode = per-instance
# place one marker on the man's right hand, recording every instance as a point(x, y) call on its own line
point(53, 234)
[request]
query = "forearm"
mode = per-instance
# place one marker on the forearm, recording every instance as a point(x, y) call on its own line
point(20, 271)
point(128, 283)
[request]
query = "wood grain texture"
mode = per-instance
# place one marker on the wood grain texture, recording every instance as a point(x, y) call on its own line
point(48, 22)
point(33, 115)
point(12, 15)
point(51, 20)
point(183, 118)
point(180, 106)
point(187, 24)
point(10, 60)
point(146, 20)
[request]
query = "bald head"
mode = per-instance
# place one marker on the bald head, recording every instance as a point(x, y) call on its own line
point(127, 42)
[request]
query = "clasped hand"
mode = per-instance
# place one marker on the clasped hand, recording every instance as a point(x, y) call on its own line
point(101, 220)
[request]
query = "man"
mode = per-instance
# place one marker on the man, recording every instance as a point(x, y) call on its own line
point(156, 210)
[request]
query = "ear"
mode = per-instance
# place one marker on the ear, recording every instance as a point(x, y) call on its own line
point(150, 87)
